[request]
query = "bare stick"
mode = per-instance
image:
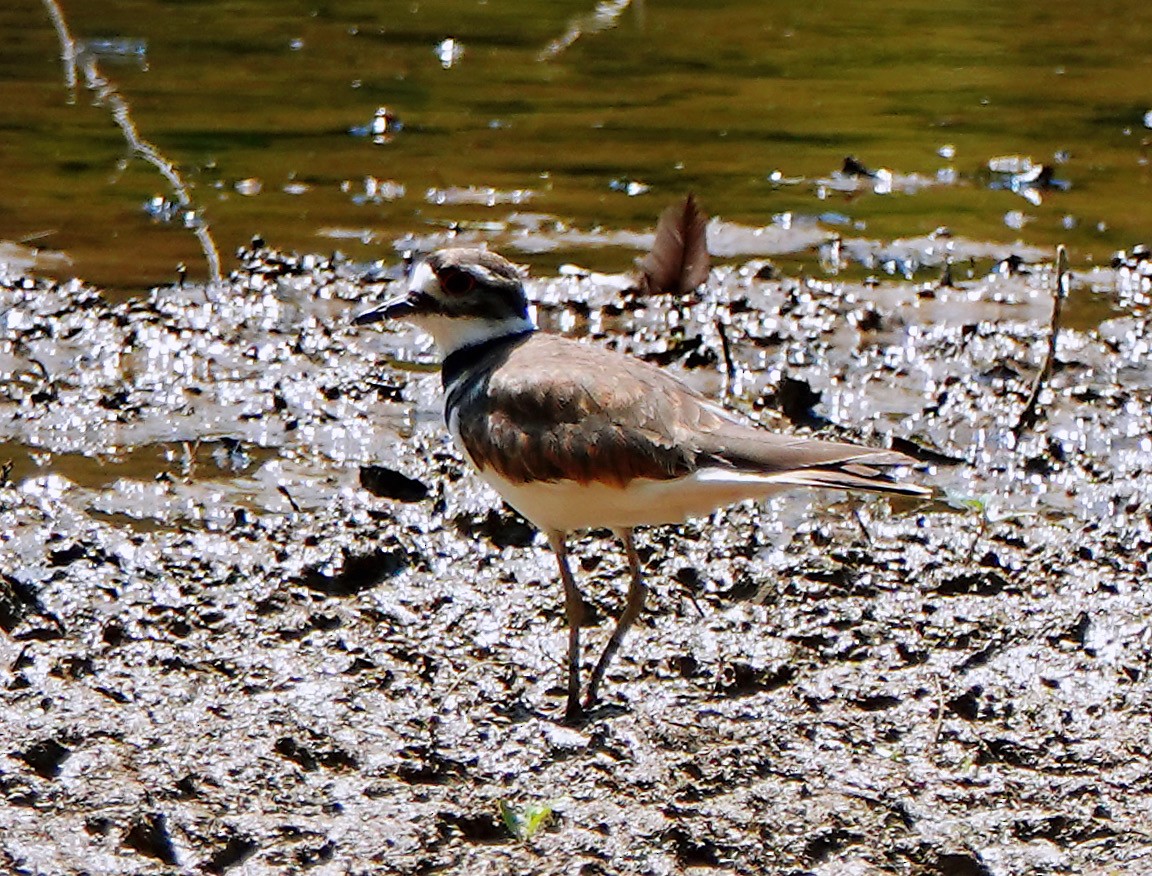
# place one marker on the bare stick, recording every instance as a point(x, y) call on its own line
point(602, 17)
point(67, 45)
point(284, 492)
point(1031, 412)
point(862, 525)
point(726, 349)
point(107, 95)
point(939, 711)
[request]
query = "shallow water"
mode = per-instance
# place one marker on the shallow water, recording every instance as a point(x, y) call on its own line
point(544, 108)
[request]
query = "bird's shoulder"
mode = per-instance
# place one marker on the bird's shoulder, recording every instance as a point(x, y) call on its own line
point(562, 379)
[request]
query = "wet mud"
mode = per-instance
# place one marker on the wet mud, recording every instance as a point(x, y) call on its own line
point(258, 617)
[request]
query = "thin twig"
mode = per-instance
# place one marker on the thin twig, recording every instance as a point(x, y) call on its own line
point(107, 95)
point(726, 349)
point(688, 592)
point(859, 518)
point(1031, 412)
point(190, 451)
point(67, 45)
point(40, 367)
point(978, 536)
point(602, 17)
point(939, 710)
point(284, 492)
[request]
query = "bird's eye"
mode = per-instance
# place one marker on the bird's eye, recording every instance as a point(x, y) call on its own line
point(457, 282)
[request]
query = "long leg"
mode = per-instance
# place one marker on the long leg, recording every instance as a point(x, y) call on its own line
point(574, 611)
point(632, 608)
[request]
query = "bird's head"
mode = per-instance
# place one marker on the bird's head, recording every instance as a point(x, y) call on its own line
point(461, 297)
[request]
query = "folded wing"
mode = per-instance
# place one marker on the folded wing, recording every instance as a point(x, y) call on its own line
point(556, 409)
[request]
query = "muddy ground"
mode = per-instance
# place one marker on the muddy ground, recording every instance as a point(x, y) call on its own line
point(258, 618)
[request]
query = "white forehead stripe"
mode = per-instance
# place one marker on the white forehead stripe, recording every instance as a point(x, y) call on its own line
point(423, 280)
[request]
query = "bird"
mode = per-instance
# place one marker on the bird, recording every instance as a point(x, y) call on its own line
point(575, 436)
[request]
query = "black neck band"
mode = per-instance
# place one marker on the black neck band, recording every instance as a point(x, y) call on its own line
point(461, 360)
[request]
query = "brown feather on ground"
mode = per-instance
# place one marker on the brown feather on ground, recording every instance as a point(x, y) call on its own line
point(678, 262)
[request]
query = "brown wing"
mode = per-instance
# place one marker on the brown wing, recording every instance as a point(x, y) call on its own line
point(807, 461)
point(804, 461)
point(552, 409)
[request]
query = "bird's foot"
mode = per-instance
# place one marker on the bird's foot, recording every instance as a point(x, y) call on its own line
point(574, 714)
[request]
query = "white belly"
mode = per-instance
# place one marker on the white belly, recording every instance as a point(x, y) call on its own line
point(569, 505)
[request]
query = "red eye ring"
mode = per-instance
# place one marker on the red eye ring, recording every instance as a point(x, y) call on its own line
point(457, 282)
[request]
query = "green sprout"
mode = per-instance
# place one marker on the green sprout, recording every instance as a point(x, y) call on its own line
point(987, 511)
point(524, 822)
point(979, 504)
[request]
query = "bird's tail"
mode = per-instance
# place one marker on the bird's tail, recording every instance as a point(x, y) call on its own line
point(850, 477)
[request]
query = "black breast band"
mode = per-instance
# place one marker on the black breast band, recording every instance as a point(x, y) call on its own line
point(461, 360)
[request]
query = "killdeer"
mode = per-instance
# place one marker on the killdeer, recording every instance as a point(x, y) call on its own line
point(578, 437)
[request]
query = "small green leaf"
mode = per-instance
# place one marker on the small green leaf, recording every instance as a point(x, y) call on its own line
point(511, 819)
point(962, 502)
point(524, 822)
point(535, 817)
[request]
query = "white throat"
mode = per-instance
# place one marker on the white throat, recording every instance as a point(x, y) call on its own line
point(452, 334)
